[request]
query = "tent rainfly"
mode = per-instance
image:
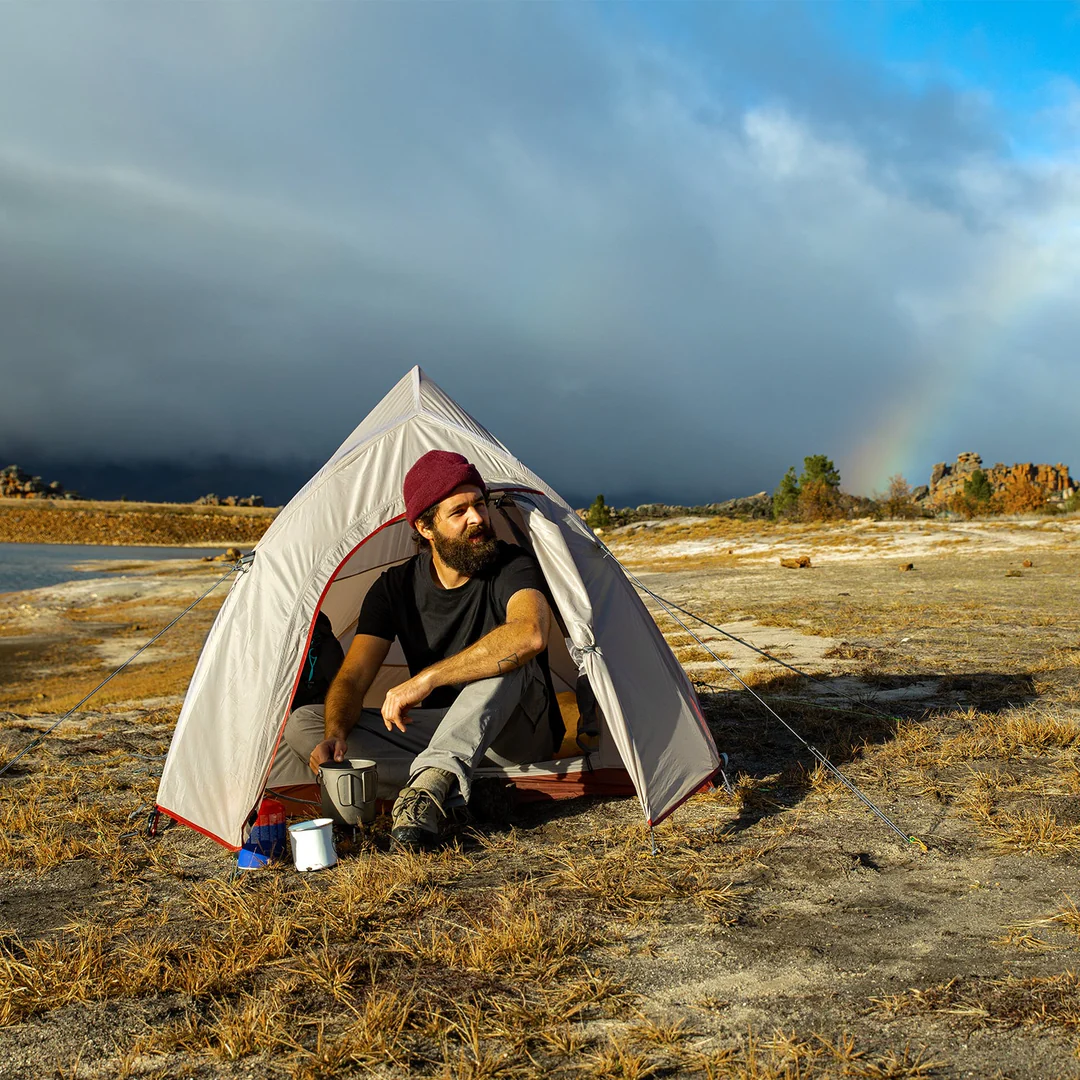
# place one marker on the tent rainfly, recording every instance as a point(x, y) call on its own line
point(323, 551)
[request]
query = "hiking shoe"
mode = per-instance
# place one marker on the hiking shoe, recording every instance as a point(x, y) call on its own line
point(417, 820)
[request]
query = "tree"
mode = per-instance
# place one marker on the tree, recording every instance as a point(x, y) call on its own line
point(598, 516)
point(977, 499)
point(897, 502)
point(819, 469)
point(785, 500)
point(977, 487)
point(819, 489)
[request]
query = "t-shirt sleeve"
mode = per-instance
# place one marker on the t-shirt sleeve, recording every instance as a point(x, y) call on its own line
point(520, 572)
point(377, 613)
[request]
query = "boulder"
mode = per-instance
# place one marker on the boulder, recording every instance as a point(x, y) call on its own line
point(17, 484)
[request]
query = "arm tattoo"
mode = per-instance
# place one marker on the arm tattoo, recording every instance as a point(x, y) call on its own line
point(509, 663)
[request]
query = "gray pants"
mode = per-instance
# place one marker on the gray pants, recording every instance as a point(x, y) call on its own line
point(504, 719)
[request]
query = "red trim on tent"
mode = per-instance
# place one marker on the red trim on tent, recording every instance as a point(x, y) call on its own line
point(197, 828)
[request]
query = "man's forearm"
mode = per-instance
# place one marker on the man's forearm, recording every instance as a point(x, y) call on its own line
point(504, 649)
point(345, 698)
point(344, 703)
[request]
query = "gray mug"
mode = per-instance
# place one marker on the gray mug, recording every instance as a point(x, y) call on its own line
point(347, 790)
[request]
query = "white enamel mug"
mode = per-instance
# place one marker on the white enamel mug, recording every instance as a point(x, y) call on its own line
point(313, 844)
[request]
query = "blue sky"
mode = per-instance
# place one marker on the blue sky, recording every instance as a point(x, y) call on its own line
point(1016, 54)
point(662, 251)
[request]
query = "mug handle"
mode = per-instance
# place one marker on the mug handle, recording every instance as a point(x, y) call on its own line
point(351, 799)
point(368, 785)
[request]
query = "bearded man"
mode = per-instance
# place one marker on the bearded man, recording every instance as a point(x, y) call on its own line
point(472, 618)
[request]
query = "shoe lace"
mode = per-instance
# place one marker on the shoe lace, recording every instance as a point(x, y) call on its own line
point(411, 808)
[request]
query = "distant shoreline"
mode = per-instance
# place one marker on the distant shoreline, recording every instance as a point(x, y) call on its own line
point(122, 524)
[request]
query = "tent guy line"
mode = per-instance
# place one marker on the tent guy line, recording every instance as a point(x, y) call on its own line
point(867, 705)
point(75, 708)
point(817, 754)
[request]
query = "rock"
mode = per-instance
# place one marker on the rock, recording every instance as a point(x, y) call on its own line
point(801, 563)
point(1027, 563)
point(229, 500)
point(1013, 573)
point(17, 484)
point(907, 566)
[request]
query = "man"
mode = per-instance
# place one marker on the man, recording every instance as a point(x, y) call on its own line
point(472, 618)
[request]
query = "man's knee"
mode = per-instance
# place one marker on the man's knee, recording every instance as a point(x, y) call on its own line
point(304, 730)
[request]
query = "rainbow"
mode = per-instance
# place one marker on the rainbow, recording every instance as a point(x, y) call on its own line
point(917, 426)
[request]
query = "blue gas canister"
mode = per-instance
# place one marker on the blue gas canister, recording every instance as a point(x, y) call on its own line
point(267, 839)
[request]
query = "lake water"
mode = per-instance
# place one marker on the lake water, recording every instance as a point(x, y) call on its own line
point(33, 566)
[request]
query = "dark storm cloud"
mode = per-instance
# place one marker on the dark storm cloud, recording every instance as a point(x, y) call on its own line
point(229, 229)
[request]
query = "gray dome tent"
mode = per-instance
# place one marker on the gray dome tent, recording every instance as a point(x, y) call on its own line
point(323, 551)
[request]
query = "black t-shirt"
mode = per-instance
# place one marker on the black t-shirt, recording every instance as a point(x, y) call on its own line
point(433, 623)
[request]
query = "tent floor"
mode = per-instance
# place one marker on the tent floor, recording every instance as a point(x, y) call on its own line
point(301, 800)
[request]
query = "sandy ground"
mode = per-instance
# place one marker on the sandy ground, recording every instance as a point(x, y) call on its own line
point(773, 929)
point(662, 541)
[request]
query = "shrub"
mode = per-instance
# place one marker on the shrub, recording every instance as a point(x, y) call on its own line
point(967, 507)
point(818, 501)
point(1022, 496)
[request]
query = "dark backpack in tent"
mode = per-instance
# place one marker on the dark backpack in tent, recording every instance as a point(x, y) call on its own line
point(324, 657)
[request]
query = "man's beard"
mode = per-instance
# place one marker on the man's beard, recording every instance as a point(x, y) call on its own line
point(466, 554)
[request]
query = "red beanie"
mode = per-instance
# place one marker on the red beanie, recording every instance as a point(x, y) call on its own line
point(433, 477)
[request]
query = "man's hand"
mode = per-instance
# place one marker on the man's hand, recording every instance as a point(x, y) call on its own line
point(328, 750)
point(400, 699)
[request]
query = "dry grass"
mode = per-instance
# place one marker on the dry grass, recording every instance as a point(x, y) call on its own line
point(1045, 1002)
point(789, 1056)
point(555, 947)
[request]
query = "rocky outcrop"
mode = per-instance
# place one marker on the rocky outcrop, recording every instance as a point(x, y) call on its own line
point(17, 484)
point(748, 506)
point(947, 481)
point(229, 500)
